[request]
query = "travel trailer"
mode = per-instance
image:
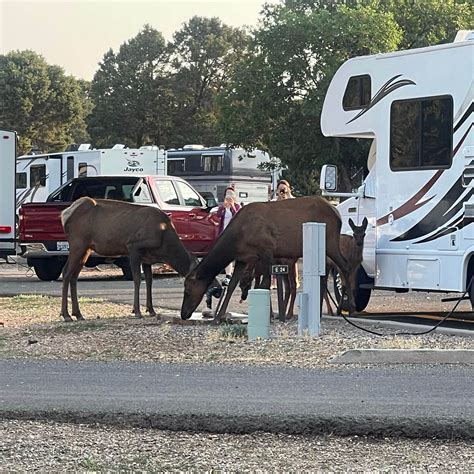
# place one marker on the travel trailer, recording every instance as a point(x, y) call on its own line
point(417, 108)
point(7, 193)
point(212, 170)
point(37, 176)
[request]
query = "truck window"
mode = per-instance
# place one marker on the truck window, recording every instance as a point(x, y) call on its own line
point(37, 176)
point(142, 195)
point(21, 180)
point(421, 133)
point(190, 197)
point(358, 93)
point(167, 192)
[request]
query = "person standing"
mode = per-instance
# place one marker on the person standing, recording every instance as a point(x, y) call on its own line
point(225, 213)
point(283, 191)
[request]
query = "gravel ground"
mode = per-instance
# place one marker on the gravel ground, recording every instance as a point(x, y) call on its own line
point(31, 329)
point(47, 447)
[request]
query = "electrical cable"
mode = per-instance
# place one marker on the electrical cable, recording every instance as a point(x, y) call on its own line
point(405, 333)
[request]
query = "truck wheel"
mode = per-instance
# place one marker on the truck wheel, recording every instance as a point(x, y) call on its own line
point(47, 269)
point(362, 295)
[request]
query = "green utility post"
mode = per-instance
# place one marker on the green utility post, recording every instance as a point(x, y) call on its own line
point(259, 315)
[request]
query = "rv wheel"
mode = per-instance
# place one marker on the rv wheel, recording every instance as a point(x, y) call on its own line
point(362, 295)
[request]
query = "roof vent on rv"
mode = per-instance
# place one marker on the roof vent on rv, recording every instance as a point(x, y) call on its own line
point(193, 147)
point(149, 147)
point(118, 146)
point(84, 146)
point(464, 35)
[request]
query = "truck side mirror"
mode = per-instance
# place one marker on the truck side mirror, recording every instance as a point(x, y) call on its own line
point(328, 180)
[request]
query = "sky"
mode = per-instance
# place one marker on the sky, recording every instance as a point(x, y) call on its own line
point(75, 34)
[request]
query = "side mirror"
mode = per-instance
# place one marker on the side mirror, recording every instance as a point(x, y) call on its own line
point(328, 180)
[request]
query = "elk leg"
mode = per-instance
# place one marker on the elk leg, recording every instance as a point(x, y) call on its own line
point(66, 280)
point(74, 300)
point(148, 280)
point(238, 269)
point(292, 280)
point(135, 266)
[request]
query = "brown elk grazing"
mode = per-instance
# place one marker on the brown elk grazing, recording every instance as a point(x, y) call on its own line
point(113, 228)
point(262, 232)
point(351, 248)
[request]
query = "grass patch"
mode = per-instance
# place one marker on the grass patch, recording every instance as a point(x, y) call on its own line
point(233, 331)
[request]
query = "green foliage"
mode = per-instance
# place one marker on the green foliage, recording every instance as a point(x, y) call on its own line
point(129, 92)
point(203, 54)
point(274, 98)
point(43, 105)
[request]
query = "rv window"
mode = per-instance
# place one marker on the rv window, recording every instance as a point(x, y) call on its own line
point(421, 133)
point(167, 192)
point(37, 176)
point(175, 167)
point(82, 169)
point(190, 197)
point(21, 180)
point(358, 93)
point(212, 163)
point(70, 168)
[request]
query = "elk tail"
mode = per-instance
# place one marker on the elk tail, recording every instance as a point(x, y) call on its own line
point(67, 213)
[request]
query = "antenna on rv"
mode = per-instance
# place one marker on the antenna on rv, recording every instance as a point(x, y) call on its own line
point(118, 146)
point(84, 146)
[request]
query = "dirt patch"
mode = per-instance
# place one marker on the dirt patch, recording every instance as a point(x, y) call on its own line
point(32, 328)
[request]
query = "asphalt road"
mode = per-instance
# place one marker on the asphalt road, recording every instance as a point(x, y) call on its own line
point(389, 401)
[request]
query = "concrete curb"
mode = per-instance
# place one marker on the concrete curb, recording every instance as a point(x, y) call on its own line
point(405, 356)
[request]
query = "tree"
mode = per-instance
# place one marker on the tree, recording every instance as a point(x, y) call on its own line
point(39, 102)
point(130, 93)
point(203, 53)
point(275, 96)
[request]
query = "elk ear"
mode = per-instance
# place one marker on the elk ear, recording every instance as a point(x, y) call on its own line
point(351, 223)
point(365, 223)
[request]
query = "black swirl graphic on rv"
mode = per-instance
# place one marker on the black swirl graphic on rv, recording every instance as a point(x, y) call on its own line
point(383, 92)
point(440, 215)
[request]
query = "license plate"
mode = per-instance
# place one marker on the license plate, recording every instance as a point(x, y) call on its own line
point(62, 245)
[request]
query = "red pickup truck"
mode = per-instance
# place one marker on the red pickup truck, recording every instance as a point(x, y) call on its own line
point(44, 244)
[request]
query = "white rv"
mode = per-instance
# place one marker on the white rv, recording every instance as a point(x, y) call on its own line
point(37, 176)
point(7, 193)
point(417, 107)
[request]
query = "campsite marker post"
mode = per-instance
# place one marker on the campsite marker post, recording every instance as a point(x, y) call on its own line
point(314, 267)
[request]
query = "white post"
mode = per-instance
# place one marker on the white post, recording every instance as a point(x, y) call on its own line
point(314, 266)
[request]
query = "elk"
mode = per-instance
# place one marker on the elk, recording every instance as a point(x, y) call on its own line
point(114, 228)
point(262, 232)
point(351, 248)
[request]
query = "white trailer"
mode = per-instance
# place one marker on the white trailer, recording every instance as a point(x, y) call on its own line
point(417, 107)
point(37, 176)
point(212, 170)
point(7, 193)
